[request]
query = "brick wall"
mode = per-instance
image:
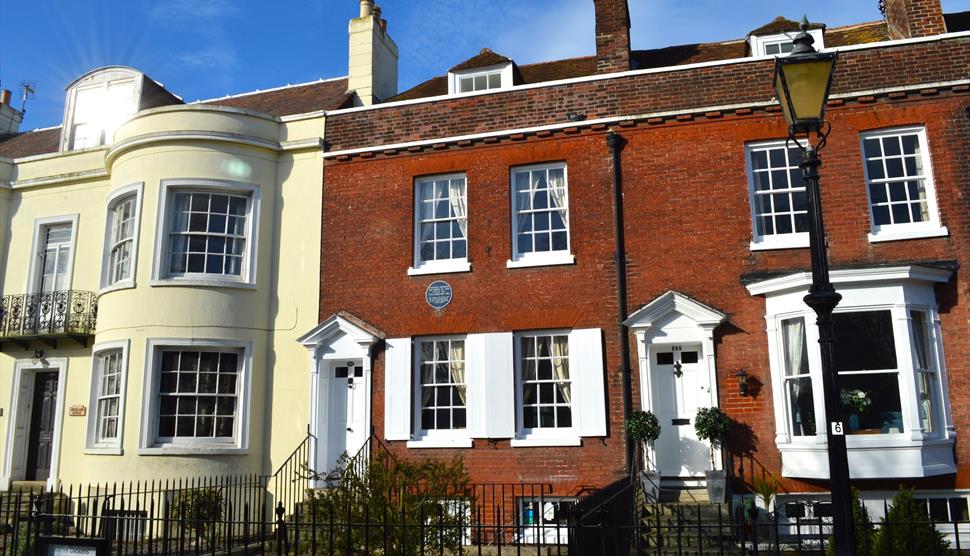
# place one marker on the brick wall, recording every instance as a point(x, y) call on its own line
point(747, 82)
point(687, 228)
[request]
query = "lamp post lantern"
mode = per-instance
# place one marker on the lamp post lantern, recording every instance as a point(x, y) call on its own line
point(802, 82)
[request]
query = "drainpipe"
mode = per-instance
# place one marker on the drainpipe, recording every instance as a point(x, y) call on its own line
point(616, 143)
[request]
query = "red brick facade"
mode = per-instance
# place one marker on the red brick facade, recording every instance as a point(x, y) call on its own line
point(687, 225)
point(914, 18)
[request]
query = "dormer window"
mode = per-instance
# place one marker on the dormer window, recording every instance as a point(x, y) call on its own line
point(480, 81)
point(780, 44)
point(98, 103)
point(776, 38)
point(485, 72)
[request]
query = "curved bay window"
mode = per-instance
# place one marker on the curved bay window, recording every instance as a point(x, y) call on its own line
point(888, 354)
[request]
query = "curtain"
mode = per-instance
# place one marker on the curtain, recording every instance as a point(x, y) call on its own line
point(560, 366)
point(457, 358)
point(557, 192)
point(796, 363)
point(459, 207)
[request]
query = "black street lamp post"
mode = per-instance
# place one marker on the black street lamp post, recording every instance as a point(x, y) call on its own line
point(802, 81)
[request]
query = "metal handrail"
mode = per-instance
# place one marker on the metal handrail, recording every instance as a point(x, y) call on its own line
point(65, 312)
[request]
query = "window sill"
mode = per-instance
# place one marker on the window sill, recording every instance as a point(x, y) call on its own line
point(188, 450)
point(201, 282)
point(789, 241)
point(892, 456)
point(104, 451)
point(440, 443)
point(900, 234)
point(533, 442)
point(122, 285)
point(546, 260)
point(448, 268)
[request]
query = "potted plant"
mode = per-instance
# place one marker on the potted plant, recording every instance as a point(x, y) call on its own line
point(643, 427)
point(712, 425)
point(856, 402)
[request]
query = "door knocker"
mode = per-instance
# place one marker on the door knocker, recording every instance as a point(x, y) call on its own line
point(677, 372)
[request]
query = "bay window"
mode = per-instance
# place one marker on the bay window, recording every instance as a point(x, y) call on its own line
point(121, 238)
point(208, 233)
point(108, 388)
point(892, 379)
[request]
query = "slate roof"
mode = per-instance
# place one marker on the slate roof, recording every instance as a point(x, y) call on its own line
point(328, 94)
point(661, 57)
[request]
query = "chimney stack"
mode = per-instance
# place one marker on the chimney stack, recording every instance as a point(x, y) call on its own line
point(612, 36)
point(908, 19)
point(10, 117)
point(372, 71)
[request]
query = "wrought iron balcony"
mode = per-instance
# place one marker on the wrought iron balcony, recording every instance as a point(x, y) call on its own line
point(47, 317)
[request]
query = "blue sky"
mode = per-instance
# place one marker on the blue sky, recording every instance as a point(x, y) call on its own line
point(210, 48)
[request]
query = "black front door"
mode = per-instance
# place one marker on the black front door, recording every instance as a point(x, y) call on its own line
point(41, 442)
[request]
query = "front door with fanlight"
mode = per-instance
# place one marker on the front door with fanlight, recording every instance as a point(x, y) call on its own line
point(345, 413)
point(680, 385)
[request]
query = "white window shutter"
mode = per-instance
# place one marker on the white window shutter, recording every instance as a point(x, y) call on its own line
point(499, 367)
point(397, 389)
point(587, 377)
point(476, 381)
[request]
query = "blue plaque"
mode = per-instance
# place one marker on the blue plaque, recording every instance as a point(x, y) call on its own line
point(438, 294)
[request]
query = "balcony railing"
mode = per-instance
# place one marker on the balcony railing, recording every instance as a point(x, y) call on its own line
point(47, 316)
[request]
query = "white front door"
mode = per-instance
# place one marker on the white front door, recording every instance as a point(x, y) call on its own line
point(345, 412)
point(680, 385)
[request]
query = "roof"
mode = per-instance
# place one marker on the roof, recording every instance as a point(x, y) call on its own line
point(661, 57)
point(483, 59)
point(31, 143)
point(327, 94)
point(782, 25)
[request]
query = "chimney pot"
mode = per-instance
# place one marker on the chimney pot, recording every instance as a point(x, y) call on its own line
point(5, 97)
point(366, 8)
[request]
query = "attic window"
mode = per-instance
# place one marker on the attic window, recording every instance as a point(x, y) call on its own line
point(473, 80)
point(97, 104)
point(480, 81)
point(780, 44)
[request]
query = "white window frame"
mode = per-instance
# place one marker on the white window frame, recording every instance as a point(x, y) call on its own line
point(898, 290)
point(505, 74)
point(167, 190)
point(94, 445)
point(117, 197)
point(239, 444)
point(100, 78)
point(538, 258)
point(436, 438)
point(40, 225)
point(549, 436)
point(441, 266)
point(758, 43)
point(759, 242)
point(911, 230)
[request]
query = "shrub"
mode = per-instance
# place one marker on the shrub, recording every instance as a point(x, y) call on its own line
point(712, 425)
point(423, 503)
point(864, 531)
point(199, 509)
point(907, 529)
point(643, 426)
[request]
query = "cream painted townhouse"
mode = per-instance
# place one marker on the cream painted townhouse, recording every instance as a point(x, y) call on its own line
point(158, 262)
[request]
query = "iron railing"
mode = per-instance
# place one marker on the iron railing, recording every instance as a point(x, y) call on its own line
point(58, 313)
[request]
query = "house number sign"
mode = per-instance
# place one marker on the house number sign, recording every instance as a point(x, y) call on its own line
point(78, 411)
point(438, 294)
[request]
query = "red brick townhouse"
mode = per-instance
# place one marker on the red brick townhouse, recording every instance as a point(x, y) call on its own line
point(472, 237)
